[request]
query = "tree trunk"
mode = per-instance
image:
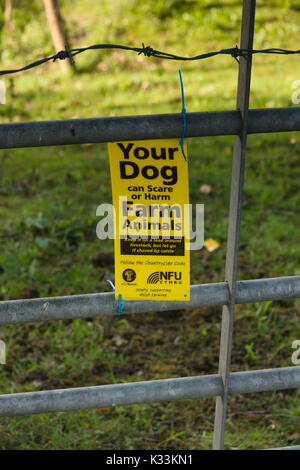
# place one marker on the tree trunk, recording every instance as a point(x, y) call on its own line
point(58, 31)
point(9, 24)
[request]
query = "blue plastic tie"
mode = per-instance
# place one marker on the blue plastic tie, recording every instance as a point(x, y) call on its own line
point(120, 304)
point(183, 112)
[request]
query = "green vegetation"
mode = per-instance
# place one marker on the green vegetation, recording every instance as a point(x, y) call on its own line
point(48, 200)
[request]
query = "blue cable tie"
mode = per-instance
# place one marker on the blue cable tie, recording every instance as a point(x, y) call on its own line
point(111, 284)
point(183, 112)
point(120, 304)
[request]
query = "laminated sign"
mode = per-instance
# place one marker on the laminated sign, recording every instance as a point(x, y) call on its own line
point(150, 196)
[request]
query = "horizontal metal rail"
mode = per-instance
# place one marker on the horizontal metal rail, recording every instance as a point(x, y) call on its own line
point(96, 305)
point(147, 392)
point(155, 126)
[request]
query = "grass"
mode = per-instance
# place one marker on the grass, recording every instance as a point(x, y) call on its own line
point(48, 201)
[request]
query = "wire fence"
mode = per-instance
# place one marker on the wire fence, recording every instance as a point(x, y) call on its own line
point(148, 51)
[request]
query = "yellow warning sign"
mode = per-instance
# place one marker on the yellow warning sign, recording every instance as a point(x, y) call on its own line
point(151, 202)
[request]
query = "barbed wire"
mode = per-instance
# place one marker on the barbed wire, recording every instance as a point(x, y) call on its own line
point(234, 52)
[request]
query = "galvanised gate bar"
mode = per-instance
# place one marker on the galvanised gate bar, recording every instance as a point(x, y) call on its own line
point(239, 123)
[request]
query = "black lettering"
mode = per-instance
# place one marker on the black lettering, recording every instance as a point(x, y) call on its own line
point(162, 155)
point(153, 169)
point(125, 150)
point(171, 177)
point(171, 153)
point(124, 171)
point(137, 153)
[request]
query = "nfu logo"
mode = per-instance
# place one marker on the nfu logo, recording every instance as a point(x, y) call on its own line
point(129, 275)
point(165, 277)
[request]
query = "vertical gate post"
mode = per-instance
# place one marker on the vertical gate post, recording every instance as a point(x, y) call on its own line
point(236, 190)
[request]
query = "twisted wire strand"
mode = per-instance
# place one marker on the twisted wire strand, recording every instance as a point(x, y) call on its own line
point(148, 51)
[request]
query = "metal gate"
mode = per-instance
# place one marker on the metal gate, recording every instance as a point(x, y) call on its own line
point(239, 123)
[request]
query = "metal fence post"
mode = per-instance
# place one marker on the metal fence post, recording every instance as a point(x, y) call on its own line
point(237, 179)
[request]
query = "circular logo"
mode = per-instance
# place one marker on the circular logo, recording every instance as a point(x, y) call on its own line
point(129, 275)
